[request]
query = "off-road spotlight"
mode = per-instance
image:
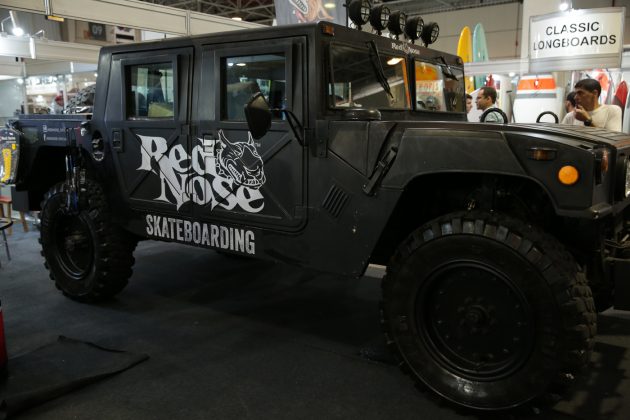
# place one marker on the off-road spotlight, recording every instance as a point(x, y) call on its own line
point(413, 28)
point(430, 33)
point(396, 23)
point(379, 17)
point(359, 12)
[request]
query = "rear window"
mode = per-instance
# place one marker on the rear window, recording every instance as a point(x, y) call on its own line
point(150, 91)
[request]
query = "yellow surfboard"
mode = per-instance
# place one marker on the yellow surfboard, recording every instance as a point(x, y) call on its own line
point(465, 51)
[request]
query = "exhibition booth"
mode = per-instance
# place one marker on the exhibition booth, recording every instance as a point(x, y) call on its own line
point(564, 47)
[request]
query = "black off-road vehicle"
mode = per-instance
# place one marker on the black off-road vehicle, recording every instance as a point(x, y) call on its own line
point(357, 151)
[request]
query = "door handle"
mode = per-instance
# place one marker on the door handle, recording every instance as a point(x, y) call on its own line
point(117, 140)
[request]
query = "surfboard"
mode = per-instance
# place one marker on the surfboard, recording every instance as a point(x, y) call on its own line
point(480, 51)
point(603, 78)
point(536, 94)
point(465, 51)
point(621, 96)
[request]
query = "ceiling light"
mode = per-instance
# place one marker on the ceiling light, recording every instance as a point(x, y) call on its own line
point(394, 60)
point(15, 30)
point(241, 64)
point(329, 5)
point(237, 18)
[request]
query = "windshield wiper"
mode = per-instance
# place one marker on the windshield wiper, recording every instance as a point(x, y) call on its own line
point(375, 58)
point(446, 71)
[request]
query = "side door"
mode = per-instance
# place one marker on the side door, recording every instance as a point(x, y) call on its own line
point(237, 179)
point(147, 120)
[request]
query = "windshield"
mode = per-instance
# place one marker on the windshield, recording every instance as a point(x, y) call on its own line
point(439, 88)
point(355, 80)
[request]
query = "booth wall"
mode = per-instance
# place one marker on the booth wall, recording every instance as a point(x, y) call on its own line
point(501, 23)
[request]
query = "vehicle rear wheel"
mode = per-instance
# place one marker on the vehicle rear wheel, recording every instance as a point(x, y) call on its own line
point(89, 257)
point(486, 310)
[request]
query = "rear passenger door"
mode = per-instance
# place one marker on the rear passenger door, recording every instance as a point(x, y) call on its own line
point(148, 125)
point(238, 179)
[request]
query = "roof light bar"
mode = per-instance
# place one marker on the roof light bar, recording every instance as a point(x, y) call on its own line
point(413, 28)
point(359, 12)
point(430, 33)
point(379, 17)
point(396, 23)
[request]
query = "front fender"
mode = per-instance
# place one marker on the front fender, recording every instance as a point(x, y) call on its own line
point(423, 151)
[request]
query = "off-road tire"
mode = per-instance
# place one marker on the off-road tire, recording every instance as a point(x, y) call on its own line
point(89, 257)
point(486, 310)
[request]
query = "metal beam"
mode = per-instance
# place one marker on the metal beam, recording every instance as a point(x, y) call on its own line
point(133, 14)
point(36, 48)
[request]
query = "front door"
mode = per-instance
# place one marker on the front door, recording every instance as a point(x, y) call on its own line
point(261, 183)
point(148, 124)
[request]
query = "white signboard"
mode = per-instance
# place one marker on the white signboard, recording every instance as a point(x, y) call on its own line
point(576, 40)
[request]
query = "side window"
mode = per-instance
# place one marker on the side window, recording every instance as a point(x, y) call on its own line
point(356, 82)
point(429, 87)
point(247, 75)
point(149, 91)
point(438, 89)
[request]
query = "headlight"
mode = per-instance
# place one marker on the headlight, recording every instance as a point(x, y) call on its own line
point(9, 154)
point(627, 174)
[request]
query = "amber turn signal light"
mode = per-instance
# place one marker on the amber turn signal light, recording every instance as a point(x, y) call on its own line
point(568, 175)
point(328, 29)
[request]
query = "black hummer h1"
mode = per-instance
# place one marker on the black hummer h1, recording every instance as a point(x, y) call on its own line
point(493, 235)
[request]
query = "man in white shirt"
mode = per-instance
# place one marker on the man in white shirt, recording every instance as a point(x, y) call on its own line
point(589, 112)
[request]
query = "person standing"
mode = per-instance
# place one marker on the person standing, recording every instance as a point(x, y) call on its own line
point(589, 112)
point(468, 103)
point(569, 106)
point(57, 104)
point(486, 99)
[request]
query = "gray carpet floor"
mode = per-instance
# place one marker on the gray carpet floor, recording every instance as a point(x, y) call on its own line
point(232, 338)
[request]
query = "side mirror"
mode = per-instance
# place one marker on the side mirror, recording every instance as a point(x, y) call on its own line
point(258, 115)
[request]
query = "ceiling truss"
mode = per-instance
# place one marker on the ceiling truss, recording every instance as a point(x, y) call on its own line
point(263, 11)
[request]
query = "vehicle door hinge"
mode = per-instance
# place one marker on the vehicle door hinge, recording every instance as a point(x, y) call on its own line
point(382, 167)
point(319, 139)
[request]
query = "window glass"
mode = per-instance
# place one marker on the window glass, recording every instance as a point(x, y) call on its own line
point(356, 83)
point(248, 75)
point(150, 93)
point(439, 88)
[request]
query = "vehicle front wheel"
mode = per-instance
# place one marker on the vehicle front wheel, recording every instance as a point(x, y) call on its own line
point(486, 310)
point(89, 257)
